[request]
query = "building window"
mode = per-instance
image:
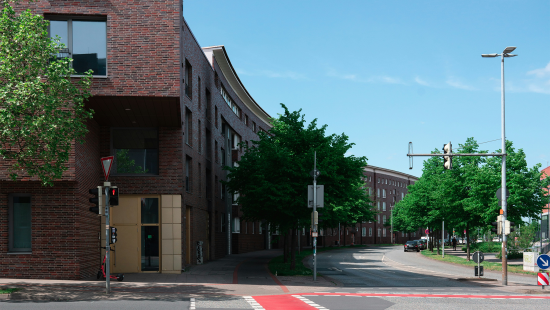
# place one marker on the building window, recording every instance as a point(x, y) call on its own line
point(379, 232)
point(85, 42)
point(188, 79)
point(19, 222)
point(378, 218)
point(188, 127)
point(223, 157)
point(199, 148)
point(136, 151)
point(364, 231)
point(370, 231)
point(383, 193)
point(216, 151)
point(378, 202)
point(246, 120)
point(370, 191)
point(222, 194)
point(236, 225)
point(253, 224)
point(232, 105)
point(200, 91)
point(384, 235)
point(384, 206)
point(188, 174)
point(222, 222)
point(208, 109)
point(377, 192)
point(383, 219)
point(216, 116)
point(402, 196)
point(200, 180)
point(254, 126)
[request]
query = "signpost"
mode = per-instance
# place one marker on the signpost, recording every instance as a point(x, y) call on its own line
point(315, 173)
point(542, 279)
point(106, 164)
point(543, 261)
point(478, 258)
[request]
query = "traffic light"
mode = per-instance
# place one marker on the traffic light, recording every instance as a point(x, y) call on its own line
point(508, 227)
point(448, 160)
point(113, 235)
point(314, 219)
point(97, 200)
point(497, 226)
point(113, 196)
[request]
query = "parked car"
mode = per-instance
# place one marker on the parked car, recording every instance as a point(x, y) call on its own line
point(422, 244)
point(411, 245)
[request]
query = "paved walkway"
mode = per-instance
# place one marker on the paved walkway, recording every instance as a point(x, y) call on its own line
point(239, 274)
point(489, 257)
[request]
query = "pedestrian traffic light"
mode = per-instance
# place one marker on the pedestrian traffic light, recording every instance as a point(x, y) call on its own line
point(497, 226)
point(97, 200)
point(508, 228)
point(113, 196)
point(448, 160)
point(113, 235)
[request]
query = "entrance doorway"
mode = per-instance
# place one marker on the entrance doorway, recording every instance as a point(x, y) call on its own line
point(138, 246)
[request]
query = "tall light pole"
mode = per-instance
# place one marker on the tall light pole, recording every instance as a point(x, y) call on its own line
point(505, 53)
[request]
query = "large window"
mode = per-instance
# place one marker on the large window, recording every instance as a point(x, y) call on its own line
point(85, 42)
point(230, 102)
point(19, 223)
point(136, 151)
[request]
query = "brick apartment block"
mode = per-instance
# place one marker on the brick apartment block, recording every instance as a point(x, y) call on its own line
point(172, 113)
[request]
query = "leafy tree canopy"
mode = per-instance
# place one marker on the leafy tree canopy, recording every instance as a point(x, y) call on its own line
point(273, 174)
point(41, 110)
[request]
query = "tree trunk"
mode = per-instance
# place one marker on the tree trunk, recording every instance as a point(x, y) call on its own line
point(438, 242)
point(285, 253)
point(344, 232)
point(467, 242)
point(293, 250)
point(431, 237)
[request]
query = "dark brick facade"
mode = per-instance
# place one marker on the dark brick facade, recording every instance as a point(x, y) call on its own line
point(148, 45)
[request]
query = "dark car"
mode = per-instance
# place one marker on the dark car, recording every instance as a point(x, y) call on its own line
point(422, 244)
point(411, 245)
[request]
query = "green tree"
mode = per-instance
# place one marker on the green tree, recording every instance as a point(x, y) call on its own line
point(41, 110)
point(272, 176)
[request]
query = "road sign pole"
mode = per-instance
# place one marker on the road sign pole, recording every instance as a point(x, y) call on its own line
point(443, 236)
point(314, 210)
point(107, 240)
point(503, 176)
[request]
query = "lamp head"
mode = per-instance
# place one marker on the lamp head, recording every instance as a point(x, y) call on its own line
point(509, 49)
point(489, 55)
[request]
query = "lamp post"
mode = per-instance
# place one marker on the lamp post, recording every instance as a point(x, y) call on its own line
point(505, 53)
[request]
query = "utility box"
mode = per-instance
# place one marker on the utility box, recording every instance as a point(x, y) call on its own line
point(530, 261)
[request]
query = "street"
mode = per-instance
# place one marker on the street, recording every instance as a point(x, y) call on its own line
point(366, 278)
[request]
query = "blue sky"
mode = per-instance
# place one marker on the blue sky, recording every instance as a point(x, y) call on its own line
point(389, 72)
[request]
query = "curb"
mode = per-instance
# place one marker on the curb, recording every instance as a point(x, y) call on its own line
point(5, 296)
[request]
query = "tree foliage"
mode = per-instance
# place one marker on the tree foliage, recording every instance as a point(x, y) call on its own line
point(273, 174)
point(466, 195)
point(41, 110)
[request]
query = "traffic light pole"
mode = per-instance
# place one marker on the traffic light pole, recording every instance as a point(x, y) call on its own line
point(503, 175)
point(315, 210)
point(107, 240)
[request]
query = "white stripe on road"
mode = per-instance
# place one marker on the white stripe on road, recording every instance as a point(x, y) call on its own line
point(253, 303)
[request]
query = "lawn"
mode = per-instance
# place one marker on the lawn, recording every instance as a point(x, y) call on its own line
point(276, 265)
point(7, 290)
point(486, 265)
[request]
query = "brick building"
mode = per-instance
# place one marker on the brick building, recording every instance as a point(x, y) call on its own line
point(172, 114)
point(386, 187)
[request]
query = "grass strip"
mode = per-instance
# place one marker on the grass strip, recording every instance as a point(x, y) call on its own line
point(486, 265)
point(8, 290)
point(277, 265)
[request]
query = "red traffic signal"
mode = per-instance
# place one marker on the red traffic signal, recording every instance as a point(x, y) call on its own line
point(113, 196)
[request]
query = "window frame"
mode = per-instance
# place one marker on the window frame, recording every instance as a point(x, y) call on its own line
point(113, 173)
point(11, 249)
point(69, 19)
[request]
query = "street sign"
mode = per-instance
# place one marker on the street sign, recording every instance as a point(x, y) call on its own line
point(427, 231)
point(542, 278)
point(314, 234)
point(314, 173)
point(320, 196)
point(478, 271)
point(478, 257)
point(543, 261)
point(106, 163)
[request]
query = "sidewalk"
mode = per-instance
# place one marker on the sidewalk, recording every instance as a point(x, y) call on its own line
point(489, 257)
point(239, 274)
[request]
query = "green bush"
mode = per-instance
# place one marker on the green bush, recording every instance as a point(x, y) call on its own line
point(511, 255)
point(485, 247)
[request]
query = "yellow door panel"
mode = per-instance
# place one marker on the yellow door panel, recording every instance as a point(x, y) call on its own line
point(126, 212)
point(125, 258)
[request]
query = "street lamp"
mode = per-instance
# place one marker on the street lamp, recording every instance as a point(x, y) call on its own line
point(505, 53)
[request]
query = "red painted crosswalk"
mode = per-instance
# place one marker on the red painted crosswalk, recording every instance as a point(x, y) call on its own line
point(282, 302)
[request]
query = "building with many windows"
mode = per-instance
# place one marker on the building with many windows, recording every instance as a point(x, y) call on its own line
point(172, 114)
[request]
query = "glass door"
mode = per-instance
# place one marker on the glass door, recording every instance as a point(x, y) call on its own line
point(150, 237)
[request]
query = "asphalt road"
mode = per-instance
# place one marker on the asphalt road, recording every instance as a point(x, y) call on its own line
point(390, 268)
